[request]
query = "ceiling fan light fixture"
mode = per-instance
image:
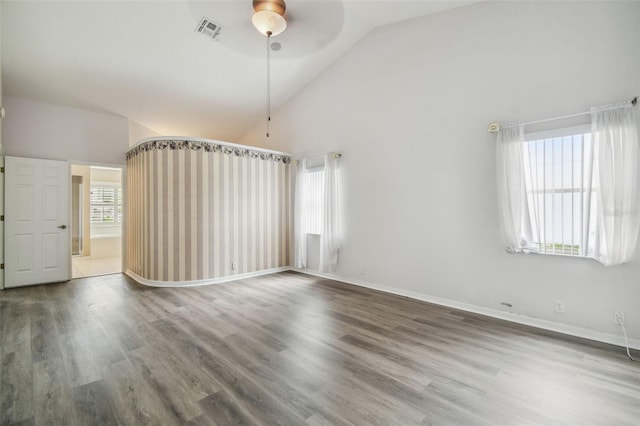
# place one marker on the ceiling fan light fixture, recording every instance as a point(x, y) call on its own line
point(268, 17)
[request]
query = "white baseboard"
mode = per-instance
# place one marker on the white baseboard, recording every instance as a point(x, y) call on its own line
point(196, 283)
point(494, 313)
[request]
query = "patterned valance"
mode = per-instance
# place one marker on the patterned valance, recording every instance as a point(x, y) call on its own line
point(188, 145)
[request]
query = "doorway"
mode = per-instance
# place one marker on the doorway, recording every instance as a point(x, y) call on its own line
point(96, 220)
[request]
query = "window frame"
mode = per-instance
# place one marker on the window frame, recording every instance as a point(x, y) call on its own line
point(560, 132)
point(118, 203)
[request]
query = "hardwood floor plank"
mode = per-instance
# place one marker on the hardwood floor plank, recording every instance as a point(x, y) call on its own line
point(442, 412)
point(16, 389)
point(51, 394)
point(325, 417)
point(286, 391)
point(220, 409)
point(134, 401)
point(16, 325)
point(202, 420)
point(93, 404)
point(363, 407)
point(177, 397)
point(26, 422)
point(44, 339)
point(85, 352)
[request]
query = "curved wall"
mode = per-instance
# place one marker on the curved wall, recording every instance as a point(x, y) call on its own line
point(200, 210)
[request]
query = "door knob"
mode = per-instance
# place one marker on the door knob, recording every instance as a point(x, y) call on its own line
point(62, 226)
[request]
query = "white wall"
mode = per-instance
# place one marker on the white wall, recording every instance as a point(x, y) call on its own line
point(1, 105)
point(106, 175)
point(137, 132)
point(408, 107)
point(41, 130)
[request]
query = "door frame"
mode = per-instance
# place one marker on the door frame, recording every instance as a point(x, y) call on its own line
point(123, 225)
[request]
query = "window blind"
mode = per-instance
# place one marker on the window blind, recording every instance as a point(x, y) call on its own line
point(559, 192)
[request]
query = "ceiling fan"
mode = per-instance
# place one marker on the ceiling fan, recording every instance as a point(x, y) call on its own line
point(310, 25)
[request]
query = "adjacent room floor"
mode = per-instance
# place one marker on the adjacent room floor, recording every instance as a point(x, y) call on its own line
point(291, 349)
point(85, 266)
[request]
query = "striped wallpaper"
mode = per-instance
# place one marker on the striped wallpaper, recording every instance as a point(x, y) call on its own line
point(201, 210)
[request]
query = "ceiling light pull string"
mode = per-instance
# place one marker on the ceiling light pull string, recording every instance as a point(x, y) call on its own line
point(268, 81)
point(268, 18)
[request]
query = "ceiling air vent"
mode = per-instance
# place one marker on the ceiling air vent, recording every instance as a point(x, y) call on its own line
point(209, 28)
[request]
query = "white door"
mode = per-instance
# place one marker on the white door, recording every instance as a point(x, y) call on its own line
point(37, 243)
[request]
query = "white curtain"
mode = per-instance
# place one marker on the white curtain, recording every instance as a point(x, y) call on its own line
point(512, 192)
point(616, 157)
point(300, 217)
point(330, 237)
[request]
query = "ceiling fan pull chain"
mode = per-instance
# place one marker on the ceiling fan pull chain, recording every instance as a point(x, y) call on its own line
point(268, 81)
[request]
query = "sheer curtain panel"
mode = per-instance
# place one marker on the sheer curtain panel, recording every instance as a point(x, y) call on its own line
point(300, 217)
point(512, 192)
point(330, 237)
point(615, 135)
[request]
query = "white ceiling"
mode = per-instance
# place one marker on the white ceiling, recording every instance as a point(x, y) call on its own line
point(143, 60)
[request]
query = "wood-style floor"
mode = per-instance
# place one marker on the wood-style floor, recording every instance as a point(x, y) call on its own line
point(291, 349)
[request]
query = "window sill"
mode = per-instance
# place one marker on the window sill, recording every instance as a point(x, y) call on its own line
point(562, 255)
point(104, 236)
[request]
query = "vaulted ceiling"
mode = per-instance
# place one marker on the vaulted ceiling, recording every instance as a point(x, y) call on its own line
point(144, 60)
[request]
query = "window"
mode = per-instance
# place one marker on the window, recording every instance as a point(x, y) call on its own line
point(106, 203)
point(313, 200)
point(572, 192)
point(312, 194)
point(316, 211)
point(560, 195)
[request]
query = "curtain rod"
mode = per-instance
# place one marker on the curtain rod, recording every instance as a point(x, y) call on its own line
point(336, 155)
point(495, 127)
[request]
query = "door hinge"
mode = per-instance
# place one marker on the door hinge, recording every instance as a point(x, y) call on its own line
point(1, 218)
point(1, 265)
point(1, 169)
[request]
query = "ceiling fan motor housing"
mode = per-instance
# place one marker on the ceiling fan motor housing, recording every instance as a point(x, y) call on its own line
point(277, 6)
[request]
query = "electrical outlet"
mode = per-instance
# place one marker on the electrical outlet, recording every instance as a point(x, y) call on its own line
point(233, 266)
point(558, 306)
point(362, 270)
point(618, 318)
